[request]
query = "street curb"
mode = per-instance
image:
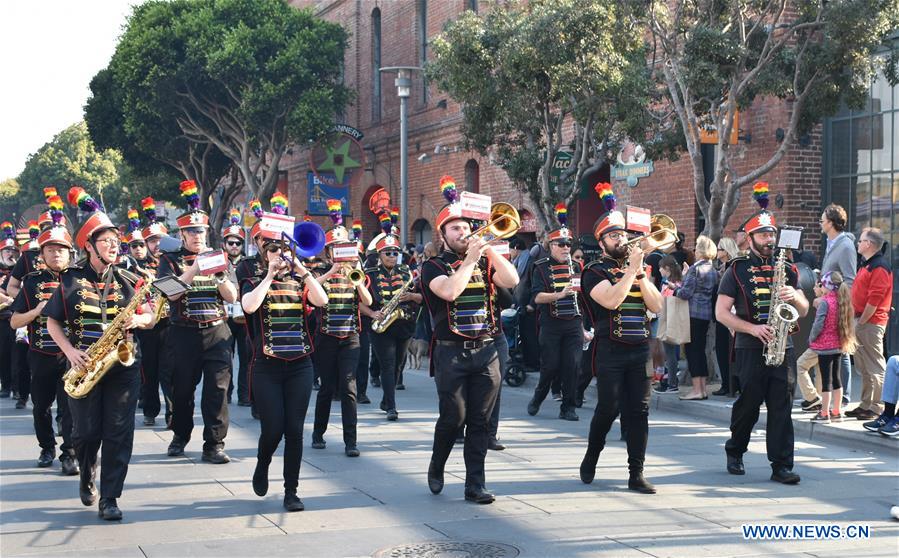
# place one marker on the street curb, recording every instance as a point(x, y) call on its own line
point(718, 411)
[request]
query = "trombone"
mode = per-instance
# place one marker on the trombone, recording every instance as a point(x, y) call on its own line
point(504, 222)
point(660, 225)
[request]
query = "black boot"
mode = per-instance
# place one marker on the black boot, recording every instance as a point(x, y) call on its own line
point(435, 478)
point(109, 510)
point(68, 466)
point(46, 458)
point(588, 466)
point(87, 489)
point(260, 479)
point(640, 484)
point(292, 502)
point(735, 465)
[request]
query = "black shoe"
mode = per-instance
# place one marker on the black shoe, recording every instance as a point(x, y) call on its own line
point(720, 392)
point(568, 415)
point(46, 458)
point(316, 385)
point(735, 465)
point(351, 451)
point(493, 444)
point(260, 479)
point(785, 476)
point(20, 404)
point(401, 387)
point(68, 467)
point(292, 502)
point(866, 415)
point(87, 489)
point(588, 467)
point(176, 448)
point(216, 456)
point(318, 443)
point(579, 402)
point(376, 381)
point(363, 399)
point(383, 406)
point(149, 421)
point(435, 478)
point(478, 495)
point(640, 484)
point(243, 403)
point(533, 407)
point(854, 412)
point(392, 415)
point(810, 404)
point(109, 510)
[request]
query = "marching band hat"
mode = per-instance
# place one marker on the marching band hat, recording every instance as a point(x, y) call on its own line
point(194, 216)
point(134, 233)
point(338, 232)
point(56, 233)
point(155, 229)
point(8, 231)
point(561, 233)
point(612, 219)
point(233, 228)
point(96, 222)
point(762, 221)
point(452, 210)
point(45, 219)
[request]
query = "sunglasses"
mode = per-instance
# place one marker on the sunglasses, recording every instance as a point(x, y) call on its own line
point(563, 244)
point(235, 243)
point(138, 245)
point(391, 254)
point(271, 249)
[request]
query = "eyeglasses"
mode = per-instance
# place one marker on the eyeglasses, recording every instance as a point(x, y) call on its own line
point(138, 245)
point(271, 249)
point(235, 243)
point(111, 241)
point(563, 244)
point(578, 258)
point(391, 254)
point(616, 235)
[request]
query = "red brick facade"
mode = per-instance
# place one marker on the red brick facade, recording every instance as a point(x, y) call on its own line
point(434, 124)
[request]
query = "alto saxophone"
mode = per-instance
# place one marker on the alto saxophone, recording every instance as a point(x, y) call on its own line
point(391, 311)
point(111, 348)
point(781, 316)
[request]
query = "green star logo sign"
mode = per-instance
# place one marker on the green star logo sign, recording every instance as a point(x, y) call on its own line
point(338, 161)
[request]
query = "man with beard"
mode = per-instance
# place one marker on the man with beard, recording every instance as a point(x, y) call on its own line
point(561, 333)
point(46, 360)
point(89, 297)
point(459, 287)
point(745, 287)
point(618, 294)
point(233, 237)
point(200, 341)
point(9, 253)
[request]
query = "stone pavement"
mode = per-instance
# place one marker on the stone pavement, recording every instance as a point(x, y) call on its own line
point(358, 507)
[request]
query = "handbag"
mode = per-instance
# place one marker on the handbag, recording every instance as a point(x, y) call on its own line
point(674, 322)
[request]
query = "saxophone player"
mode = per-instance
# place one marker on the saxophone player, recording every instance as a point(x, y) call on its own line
point(87, 299)
point(389, 280)
point(746, 288)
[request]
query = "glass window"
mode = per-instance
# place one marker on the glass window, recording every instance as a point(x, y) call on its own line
point(863, 203)
point(882, 201)
point(883, 142)
point(840, 144)
point(375, 65)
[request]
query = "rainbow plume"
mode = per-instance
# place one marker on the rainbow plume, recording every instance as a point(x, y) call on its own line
point(8, 230)
point(334, 208)
point(133, 219)
point(49, 192)
point(448, 189)
point(562, 213)
point(149, 207)
point(234, 217)
point(357, 229)
point(189, 193)
point(385, 222)
point(82, 200)
point(760, 194)
point(604, 190)
point(279, 204)
point(256, 208)
point(34, 230)
point(56, 205)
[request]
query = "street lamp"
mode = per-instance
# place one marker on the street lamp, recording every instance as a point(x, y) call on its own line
point(403, 84)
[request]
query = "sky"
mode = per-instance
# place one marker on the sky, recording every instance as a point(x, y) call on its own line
point(50, 51)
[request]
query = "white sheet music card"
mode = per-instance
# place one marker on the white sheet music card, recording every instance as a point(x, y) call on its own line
point(212, 262)
point(790, 238)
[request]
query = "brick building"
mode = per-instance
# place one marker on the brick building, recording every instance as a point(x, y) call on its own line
point(852, 159)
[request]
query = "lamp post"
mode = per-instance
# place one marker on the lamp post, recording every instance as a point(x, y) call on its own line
point(403, 84)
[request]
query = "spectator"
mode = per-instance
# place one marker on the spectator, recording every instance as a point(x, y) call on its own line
point(699, 287)
point(839, 255)
point(872, 294)
point(811, 396)
point(727, 251)
point(887, 423)
point(672, 276)
point(679, 253)
point(742, 240)
point(832, 335)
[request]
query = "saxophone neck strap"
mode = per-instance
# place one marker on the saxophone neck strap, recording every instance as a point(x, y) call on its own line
point(107, 284)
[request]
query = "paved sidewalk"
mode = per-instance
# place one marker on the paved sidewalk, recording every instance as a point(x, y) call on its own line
point(357, 507)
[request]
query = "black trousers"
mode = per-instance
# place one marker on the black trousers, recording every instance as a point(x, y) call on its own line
point(502, 352)
point(585, 371)
point(241, 343)
point(21, 371)
point(7, 342)
point(335, 360)
point(722, 354)
point(772, 386)
point(530, 344)
point(621, 386)
point(47, 386)
point(695, 349)
point(281, 390)
point(153, 360)
point(201, 354)
point(106, 418)
point(390, 347)
point(467, 383)
point(364, 357)
point(560, 349)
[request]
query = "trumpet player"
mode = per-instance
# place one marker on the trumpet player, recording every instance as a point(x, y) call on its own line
point(46, 360)
point(554, 291)
point(459, 287)
point(391, 284)
point(88, 298)
point(199, 338)
point(747, 287)
point(275, 307)
point(337, 336)
point(618, 294)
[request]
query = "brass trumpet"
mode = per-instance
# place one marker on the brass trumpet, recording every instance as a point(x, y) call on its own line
point(354, 275)
point(660, 225)
point(504, 222)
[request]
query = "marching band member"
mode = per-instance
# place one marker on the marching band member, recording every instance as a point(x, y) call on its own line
point(561, 331)
point(46, 360)
point(619, 294)
point(9, 253)
point(29, 259)
point(28, 262)
point(365, 329)
point(746, 287)
point(199, 338)
point(88, 298)
point(275, 305)
point(459, 287)
point(388, 279)
point(233, 237)
point(337, 338)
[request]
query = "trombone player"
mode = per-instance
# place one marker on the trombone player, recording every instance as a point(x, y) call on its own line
point(337, 335)
point(459, 287)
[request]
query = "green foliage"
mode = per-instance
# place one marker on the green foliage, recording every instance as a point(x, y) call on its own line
point(520, 70)
point(9, 203)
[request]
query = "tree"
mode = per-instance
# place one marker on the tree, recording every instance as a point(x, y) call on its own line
point(713, 59)
point(523, 71)
point(9, 193)
point(245, 77)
